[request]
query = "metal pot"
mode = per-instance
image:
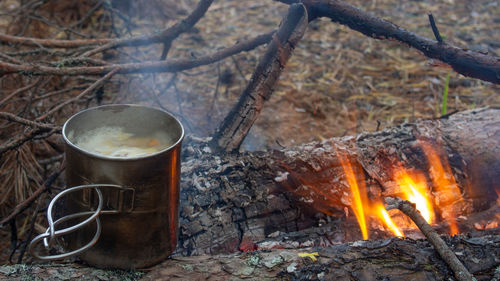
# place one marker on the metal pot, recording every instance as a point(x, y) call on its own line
point(137, 198)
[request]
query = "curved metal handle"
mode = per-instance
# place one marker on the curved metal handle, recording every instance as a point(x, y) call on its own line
point(51, 233)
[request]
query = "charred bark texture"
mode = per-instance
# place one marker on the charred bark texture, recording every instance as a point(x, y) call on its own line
point(238, 122)
point(240, 202)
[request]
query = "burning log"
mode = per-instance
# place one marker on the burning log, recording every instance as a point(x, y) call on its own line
point(255, 200)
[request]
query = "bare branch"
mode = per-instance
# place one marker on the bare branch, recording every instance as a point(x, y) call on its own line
point(107, 43)
point(463, 61)
point(143, 67)
point(184, 25)
point(168, 35)
point(461, 273)
point(90, 89)
point(20, 140)
point(33, 124)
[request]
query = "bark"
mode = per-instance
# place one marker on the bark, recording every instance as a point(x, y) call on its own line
point(392, 258)
point(235, 202)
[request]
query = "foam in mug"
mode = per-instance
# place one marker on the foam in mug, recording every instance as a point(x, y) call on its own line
point(115, 142)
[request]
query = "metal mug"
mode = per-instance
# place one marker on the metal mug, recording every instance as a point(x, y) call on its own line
point(135, 223)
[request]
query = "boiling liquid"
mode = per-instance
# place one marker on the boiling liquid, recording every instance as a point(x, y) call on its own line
point(114, 141)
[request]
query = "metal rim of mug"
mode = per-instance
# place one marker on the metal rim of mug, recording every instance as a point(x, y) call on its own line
point(102, 156)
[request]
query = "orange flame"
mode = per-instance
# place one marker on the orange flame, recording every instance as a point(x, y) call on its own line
point(445, 186)
point(384, 216)
point(415, 190)
point(359, 195)
point(412, 187)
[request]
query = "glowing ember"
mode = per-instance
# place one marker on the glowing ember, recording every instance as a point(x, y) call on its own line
point(359, 195)
point(415, 190)
point(446, 190)
point(384, 216)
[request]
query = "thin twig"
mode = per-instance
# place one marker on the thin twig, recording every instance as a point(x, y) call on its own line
point(59, 92)
point(237, 65)
point(435, 30)
point(89, 13)
point(144, 67)
point(216, 94)
point(168, 85)
point(459, 270)
point(20, 90)
point(10, 59)
point(42, 19)
point(184, 25)
point(90, 89)
point(20, 140)
point(33, 124)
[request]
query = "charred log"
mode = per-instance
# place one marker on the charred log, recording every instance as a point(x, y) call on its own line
point(236, 202)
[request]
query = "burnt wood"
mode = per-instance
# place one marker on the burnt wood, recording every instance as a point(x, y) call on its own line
point(236, 202)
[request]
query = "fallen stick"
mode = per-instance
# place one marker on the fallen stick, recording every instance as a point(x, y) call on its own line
point(461, 273)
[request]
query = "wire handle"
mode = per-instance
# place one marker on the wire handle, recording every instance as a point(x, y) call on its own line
point(51, 233)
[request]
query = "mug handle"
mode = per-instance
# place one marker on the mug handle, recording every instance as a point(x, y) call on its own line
point(51, 233)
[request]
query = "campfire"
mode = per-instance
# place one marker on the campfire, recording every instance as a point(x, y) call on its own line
point(432, 188)
point(365, 168)
point(437, 202)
